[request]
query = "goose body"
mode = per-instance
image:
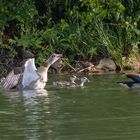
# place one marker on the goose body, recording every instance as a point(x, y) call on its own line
point(30, 77)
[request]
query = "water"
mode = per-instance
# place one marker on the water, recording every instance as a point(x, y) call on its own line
point(100, 111)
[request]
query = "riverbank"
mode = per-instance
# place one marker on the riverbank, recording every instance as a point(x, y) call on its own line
point(101, 66)
point(85, 31)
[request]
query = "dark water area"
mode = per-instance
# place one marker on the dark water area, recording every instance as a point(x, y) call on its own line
point(102, 110)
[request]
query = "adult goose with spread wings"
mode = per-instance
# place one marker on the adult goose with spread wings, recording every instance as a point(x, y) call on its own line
point(29, 77)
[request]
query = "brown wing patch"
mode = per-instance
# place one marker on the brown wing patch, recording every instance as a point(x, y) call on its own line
point(10, 81)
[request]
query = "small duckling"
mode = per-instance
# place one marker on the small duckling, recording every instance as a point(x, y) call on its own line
point(83, 80)
point(65, 83)
point(75, 85)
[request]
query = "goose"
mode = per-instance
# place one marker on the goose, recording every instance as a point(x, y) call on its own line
point(65, 83)
point(30, 77)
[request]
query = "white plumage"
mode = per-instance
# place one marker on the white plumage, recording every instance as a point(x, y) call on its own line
point(30, 73)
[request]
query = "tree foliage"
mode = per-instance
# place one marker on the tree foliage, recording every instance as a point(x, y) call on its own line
point(82, 29)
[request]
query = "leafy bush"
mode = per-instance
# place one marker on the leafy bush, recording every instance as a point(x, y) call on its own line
point(81, 30)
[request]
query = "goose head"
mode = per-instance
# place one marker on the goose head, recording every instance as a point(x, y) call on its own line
point(52, 59)
point(73, 78)
point(83, 80)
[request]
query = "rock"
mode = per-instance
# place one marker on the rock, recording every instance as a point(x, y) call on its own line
point(106, 64)
point(135, 64)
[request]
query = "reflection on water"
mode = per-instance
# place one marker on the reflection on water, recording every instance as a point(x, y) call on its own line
point(27, 110)
point(100, 111)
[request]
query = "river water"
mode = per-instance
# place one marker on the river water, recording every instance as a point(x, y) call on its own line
point(102, 110)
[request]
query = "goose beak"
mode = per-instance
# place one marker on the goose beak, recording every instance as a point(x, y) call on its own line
point(59, 57)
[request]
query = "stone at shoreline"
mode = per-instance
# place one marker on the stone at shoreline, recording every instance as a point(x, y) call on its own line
point(106, 64)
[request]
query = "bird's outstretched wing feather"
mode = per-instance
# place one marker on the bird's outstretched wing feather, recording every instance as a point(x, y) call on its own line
point(30, 73)
point(11, 80)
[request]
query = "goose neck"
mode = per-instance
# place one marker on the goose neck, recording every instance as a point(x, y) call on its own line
point(82, 84)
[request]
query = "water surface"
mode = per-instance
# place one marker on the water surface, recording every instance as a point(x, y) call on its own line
point(102, 110)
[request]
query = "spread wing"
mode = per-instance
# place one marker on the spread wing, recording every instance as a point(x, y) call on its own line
point(11, 80)
point(30, 73)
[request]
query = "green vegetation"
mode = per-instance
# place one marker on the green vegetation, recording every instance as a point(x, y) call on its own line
point(81, 29)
